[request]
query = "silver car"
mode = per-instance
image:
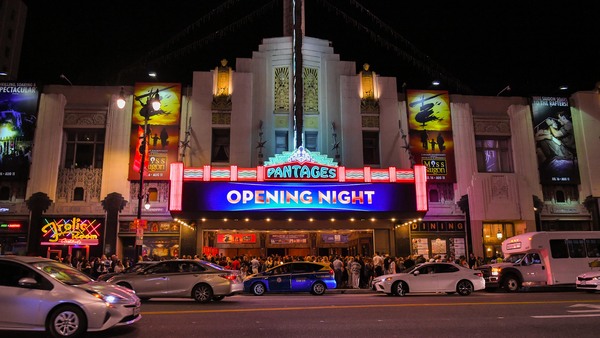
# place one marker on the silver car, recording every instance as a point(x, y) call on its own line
point(183, 278)
point(39, 294)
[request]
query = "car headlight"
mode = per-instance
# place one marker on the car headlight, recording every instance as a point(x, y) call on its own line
point(596, 278)
point(387, 279)
point(496, 271)
point(110, 298)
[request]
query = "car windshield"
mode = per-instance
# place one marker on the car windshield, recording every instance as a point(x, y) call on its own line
point(515, 258)
point(63, 273)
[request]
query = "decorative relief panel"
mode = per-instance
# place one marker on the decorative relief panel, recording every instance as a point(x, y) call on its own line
point(221, 118)
point(282, 121)
point(499, 187)
point(497, 127)
point(282, 89)
point(311, 122)
point(311, 90)
point(88, 179)
point(370, 121)
point(80, 119)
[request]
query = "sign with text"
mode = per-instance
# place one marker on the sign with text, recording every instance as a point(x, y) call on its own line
point(236, 238)
point(298, 196)
point(159, 140)
point(555, 140)
point(18, 113)
point(430, 133)
point(71, 231)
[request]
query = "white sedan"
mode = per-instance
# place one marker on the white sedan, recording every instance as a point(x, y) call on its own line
point(431, 277)
point(589, 281)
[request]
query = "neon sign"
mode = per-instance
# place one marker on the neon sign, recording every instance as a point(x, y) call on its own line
point(298, 171)
point(75, 231)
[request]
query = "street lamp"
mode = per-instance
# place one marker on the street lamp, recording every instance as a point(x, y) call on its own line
point(149, 108)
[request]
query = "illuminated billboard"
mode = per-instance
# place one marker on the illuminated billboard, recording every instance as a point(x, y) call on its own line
point(430, 133)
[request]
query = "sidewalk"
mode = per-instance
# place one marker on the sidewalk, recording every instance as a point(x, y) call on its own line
point(351, 291)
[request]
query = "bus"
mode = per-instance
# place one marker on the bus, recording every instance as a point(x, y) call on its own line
point(543, 259)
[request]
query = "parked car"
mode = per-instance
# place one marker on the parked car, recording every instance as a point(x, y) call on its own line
point(182, 278)
point(137, 267)
point(431, 277)
point(589, 281)
point(292, 277)
point(40, 294)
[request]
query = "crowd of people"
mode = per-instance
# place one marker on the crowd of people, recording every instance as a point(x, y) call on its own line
point(355, 272)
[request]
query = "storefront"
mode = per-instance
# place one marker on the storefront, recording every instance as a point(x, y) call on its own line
point(160, 239)
point(438, 238)
point(299, 206)
point(13, 237)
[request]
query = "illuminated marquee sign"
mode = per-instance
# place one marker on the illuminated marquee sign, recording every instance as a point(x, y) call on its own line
point(301, 171)
point(298, 196)
point(75, 231)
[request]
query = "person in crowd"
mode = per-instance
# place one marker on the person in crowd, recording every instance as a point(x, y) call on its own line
point(391, 265)
point(338, 270)
point(255, 265)
point(400, 265)
point(119, 267)
point(378, 264)
point(355, 267)
point(472, 261)
point(409, 262)
point(368, 272)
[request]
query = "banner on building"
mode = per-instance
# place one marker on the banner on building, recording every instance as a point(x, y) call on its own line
point(430, 133)
point(154, 132)
point(236, 238)
point(18, 113)
point(554, 139)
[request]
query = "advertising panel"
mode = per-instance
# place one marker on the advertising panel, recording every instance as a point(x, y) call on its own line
point(298, 196)
point(236, 238)
point(430, 133)
point(160, 139)
point(555, 141)
point(18, 113)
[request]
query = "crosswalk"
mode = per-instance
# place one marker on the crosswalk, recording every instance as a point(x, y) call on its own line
point(578, 311)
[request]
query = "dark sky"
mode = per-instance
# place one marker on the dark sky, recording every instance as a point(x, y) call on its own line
point(472, 47)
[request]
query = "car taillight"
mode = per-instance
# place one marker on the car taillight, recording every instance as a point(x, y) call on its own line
point(331, 272)
point(230, 277)
point(478, 274)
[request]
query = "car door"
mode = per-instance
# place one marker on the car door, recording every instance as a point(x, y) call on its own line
point(302, 277)
point(423, 281)
point(279, 279)
point(154, 280)
point(448, 276)
point(185, 275)
point(533, 269)
point(24, 302)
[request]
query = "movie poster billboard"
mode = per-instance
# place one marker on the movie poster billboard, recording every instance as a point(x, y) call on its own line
point(430, 133)
point(554, 140)
point(162, 132)
point(18, 113)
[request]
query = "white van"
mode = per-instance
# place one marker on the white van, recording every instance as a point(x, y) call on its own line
point(543, 258)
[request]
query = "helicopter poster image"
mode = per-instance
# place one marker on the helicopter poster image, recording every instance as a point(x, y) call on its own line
point(18, 107)
point(430, 133)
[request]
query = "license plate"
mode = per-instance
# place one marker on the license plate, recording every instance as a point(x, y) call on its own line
point(582, 282)
point(136, 311)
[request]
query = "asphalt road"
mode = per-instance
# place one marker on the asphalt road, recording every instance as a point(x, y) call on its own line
point(538, 313)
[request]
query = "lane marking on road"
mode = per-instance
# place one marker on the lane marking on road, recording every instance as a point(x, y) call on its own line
point(595, 308)
point(329, 307)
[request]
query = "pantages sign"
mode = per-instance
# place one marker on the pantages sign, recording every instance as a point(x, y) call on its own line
point(301, 166)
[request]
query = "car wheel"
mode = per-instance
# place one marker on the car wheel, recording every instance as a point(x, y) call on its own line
point(464, 288)
point(67, 321)
point(399, 288)
point(318, 289)
point(511, 284)
point(258, 289)
point(218, 298)
point(202, 293)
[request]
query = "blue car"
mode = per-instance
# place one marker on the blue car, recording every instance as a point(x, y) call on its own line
point(292, 277)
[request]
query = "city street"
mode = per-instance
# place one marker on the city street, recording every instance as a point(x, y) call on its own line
point(538, 313)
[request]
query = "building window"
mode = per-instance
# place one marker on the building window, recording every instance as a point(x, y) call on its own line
point(4, 194)
point(152, 195)
point(220, 145)
point(434, 196)
point(493, 155)
point(281, 141)
point(310, 140)
point(85, 149)
point(78, 194)
point(493, 235)
point(370, 147)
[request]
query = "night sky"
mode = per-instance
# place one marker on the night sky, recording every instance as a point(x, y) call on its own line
point(475, 49)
